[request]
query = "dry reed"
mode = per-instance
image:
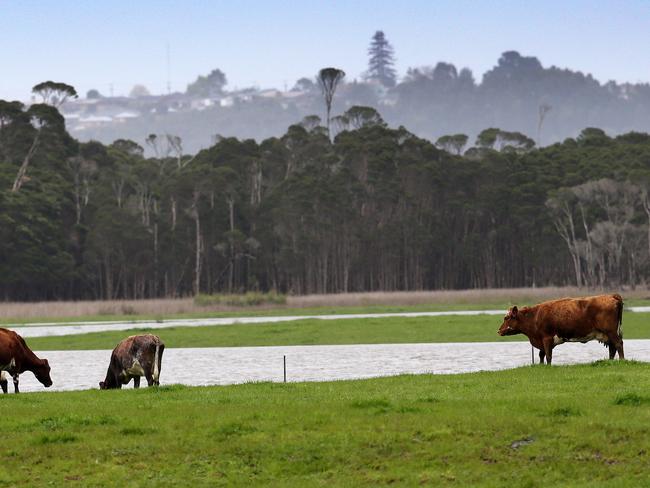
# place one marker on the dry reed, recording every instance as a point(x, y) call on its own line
point(451, 297)
point(170, 306)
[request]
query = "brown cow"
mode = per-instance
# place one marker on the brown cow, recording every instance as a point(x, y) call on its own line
point(135, 356)
point(16, 358)
point(569, 320)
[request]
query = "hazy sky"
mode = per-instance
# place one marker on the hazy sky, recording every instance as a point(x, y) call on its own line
point(93, 43)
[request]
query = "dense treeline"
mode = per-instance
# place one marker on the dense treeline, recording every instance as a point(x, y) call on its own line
point(374, 209)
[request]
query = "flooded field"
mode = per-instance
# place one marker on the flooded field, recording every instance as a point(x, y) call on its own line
point(74, 370)
point(73, 328)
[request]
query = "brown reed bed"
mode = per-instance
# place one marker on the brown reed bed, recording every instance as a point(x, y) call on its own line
point(178, 306)
point(525, 296)
point(55, 309)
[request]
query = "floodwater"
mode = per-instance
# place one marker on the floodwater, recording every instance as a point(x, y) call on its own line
point(77, 370)
point(73, 328)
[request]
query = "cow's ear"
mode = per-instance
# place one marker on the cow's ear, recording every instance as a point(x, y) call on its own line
point(513, 311)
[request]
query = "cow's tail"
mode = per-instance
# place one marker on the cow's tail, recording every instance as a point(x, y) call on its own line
point(156, 365)
point(619, 314)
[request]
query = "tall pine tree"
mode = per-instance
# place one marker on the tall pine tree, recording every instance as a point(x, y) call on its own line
point(382, 59)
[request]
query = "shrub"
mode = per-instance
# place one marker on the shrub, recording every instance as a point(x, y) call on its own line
point(249, 299)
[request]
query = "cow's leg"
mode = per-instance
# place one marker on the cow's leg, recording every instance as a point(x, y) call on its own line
point(149, 377)
point(136, 382)
point(548, 349)
point(3, 382)
point(541, 356)
point(15, 377)
point(615, 342)
point(612, 350)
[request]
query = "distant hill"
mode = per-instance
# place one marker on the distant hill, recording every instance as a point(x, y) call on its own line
point(548, 104)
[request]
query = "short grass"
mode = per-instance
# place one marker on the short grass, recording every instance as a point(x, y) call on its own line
point(584, 425)
point(478, 328)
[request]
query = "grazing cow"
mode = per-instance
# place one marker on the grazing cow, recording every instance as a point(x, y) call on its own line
point(569, 320)
point(16, 358)
point(135, 356)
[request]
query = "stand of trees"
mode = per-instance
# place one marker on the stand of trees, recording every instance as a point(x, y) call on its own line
point(375, 208)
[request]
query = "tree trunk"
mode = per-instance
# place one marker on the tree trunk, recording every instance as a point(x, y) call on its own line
point(155, 260)
point(197, 261)
point(77, 197)
point(18, 182)
point(231, 272)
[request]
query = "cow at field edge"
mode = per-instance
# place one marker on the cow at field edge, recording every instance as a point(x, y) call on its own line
point(569, 320)
point(135, 356)
point(16, 358)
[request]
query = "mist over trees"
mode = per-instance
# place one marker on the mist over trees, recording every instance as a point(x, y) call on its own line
point(518, 95)
point(373, 208)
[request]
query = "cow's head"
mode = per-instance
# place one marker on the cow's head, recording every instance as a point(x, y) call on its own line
point(42, 373)
point(107, 384)
point(510, 324)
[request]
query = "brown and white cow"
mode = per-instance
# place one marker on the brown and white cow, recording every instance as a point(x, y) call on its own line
point(569, 320)
point(135, 356)
point(16, 358)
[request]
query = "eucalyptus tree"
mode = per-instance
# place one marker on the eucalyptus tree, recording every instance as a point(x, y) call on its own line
point(9, 111)
point(501, 140)
point(595, 219)
point(542, 112)
point(452, 143)
point(84, 168)
point(329, 79)
point(54, 93)
point(340, 123)
point(310, 122)
point(43, 118)
point(360, 116)
point(561, 206)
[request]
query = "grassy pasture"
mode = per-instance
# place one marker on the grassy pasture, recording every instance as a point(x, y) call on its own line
point(478, 328)
point(583, 425)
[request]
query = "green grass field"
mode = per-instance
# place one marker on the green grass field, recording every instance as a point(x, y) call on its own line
point(584, 425)
point(479, 328)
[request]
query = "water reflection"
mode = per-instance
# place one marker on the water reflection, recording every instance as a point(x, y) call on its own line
point(74, 370)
